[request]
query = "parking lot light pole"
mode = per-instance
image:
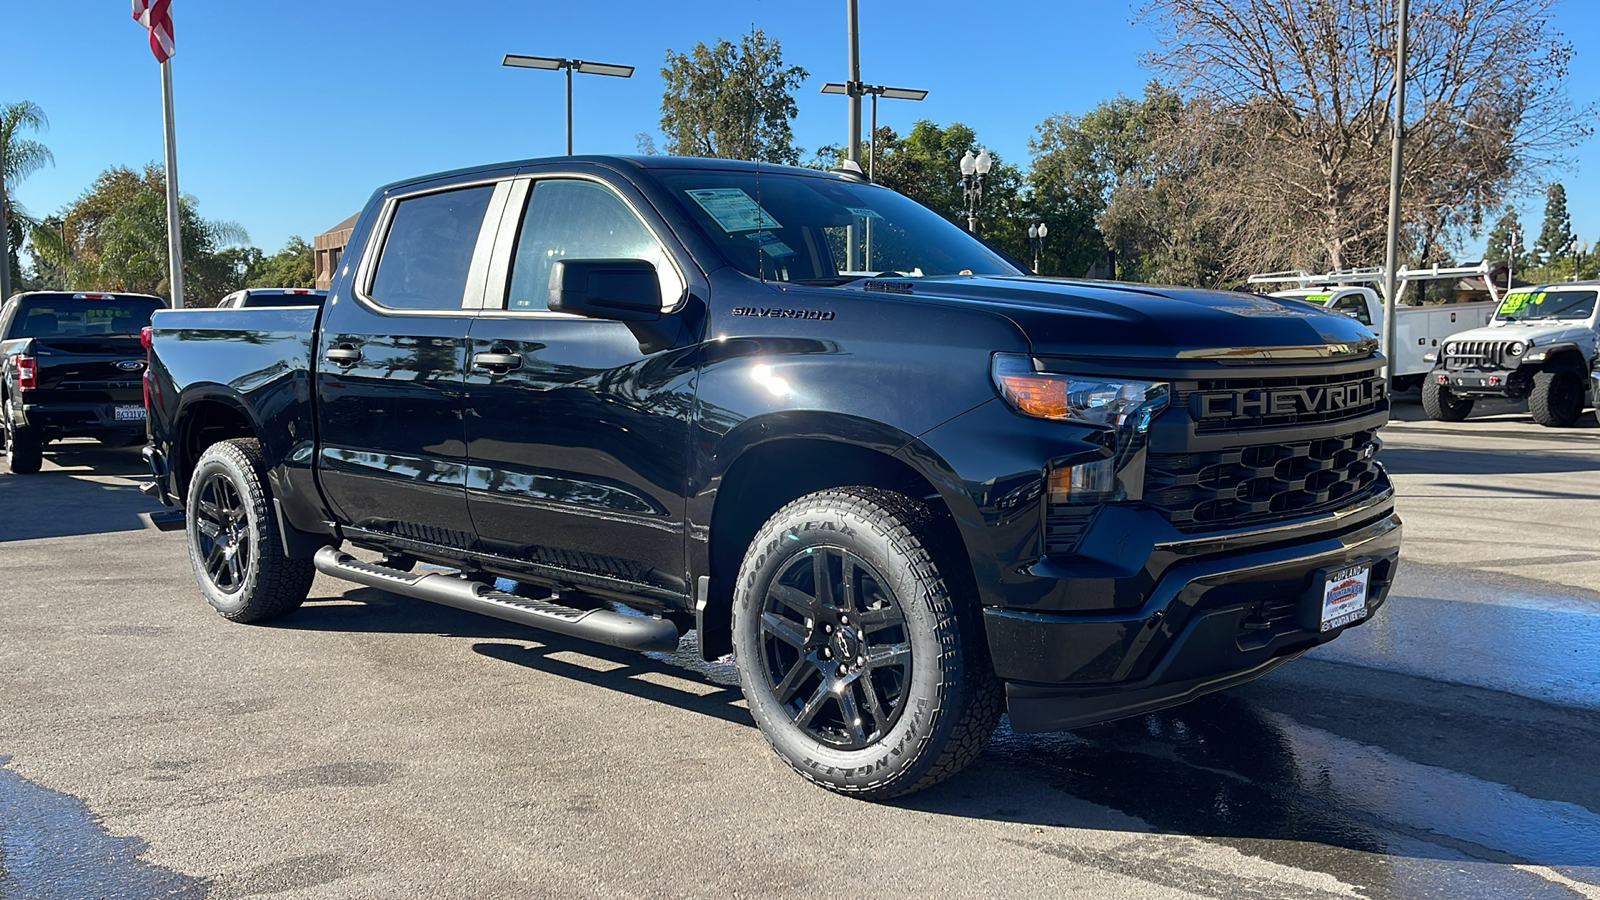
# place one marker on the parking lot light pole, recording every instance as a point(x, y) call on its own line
point(582, 67)
point(875, 91)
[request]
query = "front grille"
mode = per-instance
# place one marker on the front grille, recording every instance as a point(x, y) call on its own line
point(1476, 354)
point(1249, 404)
point(1261, 484)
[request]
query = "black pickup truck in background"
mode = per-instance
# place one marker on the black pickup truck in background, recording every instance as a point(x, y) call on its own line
point(906, 485)
point(71, 365)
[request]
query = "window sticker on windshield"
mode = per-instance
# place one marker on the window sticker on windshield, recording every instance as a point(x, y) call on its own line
point(1515, 303)
point(777, 249)
point(733, 209)
point(863, 211)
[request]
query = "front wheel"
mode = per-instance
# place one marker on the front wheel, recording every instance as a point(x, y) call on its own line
point(1441, 404)
point(1556, 400)
point(24, 447)
point(234, 543)
point(863, 669)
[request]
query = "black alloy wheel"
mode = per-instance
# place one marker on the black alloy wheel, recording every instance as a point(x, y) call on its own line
point(224, 539)
point(834, 648)
point(234, 543)
point(1556, 400)
point(860, 645)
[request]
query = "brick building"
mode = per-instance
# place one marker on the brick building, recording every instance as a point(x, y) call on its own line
point(328, 247)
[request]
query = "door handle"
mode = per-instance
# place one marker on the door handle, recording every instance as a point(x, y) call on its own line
point(497, 360)
point(343, 355)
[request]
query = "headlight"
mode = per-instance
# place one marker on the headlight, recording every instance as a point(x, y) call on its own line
point(1077, 398)
point(1449, 349)
point(1515, 349)
point(1123, 407)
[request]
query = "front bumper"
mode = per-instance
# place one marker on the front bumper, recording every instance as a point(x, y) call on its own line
point(1209, 622)
point(1511, 384)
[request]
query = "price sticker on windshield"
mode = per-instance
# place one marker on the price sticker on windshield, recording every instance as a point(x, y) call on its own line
point(733, 209)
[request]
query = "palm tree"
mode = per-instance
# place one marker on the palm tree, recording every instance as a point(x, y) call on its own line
point(19, 158)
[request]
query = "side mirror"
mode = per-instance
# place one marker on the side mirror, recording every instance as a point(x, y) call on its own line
point(623, 290)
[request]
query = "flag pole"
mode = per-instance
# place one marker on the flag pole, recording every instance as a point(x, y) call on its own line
point(174, 237)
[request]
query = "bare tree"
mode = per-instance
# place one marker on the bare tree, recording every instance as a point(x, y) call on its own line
point(1290, 106)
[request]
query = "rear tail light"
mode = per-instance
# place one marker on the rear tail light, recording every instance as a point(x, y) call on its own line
point(144, 379)
point(27, 373)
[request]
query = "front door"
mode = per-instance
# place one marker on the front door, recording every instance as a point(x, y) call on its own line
point(577, 441)
point(392, 366)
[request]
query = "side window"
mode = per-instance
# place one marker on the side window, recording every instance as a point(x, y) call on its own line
point(571, 219)
point(1355, 306)
point(428, 250)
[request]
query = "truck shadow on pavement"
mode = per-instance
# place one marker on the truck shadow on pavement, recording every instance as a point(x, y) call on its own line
point(85, 489)
point(1353, 766)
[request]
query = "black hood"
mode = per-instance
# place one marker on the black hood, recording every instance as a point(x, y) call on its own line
point(1117, 320)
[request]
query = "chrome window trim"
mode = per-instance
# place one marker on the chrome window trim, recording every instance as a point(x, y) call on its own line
point(370, 253)
point(505, 249)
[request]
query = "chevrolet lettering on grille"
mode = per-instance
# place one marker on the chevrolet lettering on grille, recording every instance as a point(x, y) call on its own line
point(1287, 401)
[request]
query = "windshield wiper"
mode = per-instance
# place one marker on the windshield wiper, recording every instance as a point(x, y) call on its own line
point(834, 281)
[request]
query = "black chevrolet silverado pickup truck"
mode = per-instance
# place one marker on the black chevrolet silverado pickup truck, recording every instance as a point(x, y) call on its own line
point(906, 485)
point(70, 365)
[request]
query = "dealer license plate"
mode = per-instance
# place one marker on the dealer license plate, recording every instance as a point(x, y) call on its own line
point(1344, 596)
point(129, 414)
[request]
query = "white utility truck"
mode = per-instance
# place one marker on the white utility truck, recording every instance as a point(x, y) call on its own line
point(1419, 328)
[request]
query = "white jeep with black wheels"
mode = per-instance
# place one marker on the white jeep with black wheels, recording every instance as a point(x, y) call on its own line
point(1540, 346)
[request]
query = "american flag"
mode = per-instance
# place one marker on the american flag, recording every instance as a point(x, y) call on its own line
point(156, 15)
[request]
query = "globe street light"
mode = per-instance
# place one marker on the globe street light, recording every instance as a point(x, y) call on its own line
point(974, 172)
point(1036, 235)
point(583, 67)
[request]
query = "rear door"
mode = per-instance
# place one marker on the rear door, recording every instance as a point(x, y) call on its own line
point(578, 440)
point(392, 362)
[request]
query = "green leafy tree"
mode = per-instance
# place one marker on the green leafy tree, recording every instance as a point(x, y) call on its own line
point(1093, 181)
point(293, 266)
point(1555, 236)
point(19, 158)
point(114, 237)
point(732, 101)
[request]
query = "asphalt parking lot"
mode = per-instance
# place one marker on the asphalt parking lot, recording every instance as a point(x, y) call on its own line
point(372, 746)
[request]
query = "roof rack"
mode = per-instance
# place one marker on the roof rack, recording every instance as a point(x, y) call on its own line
point(1374, 275)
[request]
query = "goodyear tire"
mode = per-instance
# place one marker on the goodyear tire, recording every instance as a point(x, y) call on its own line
point(863, 669)
point(233, 537)
point(24, 447)
point(1441, 404)
point(1556, 400)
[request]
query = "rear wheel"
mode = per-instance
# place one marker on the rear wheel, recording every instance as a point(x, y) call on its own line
point(864, 671)
point(1441, 404)
point(24, 446)
point(1556, 400)
point(234, 544)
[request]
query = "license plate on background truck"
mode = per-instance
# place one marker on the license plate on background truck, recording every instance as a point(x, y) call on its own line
point(128, 414)
point(1344, 595)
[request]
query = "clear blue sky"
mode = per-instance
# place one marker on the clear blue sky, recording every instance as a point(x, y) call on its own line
point(290, 113)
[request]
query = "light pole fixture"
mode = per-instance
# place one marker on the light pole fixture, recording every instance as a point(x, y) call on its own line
point(581, 66)
point(1036, 235)
point(974, 172)
point(858, 89)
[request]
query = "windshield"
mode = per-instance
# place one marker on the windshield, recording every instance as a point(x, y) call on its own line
point(808, 230)
point(72, 318)
point(1524, 305)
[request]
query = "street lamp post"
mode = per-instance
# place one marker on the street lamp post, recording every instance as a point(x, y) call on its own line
point(1036, 235)
point(583, 67)
point(875, 91)
point(974, 172)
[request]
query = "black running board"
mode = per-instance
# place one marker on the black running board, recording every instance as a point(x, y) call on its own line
point(603, 626)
